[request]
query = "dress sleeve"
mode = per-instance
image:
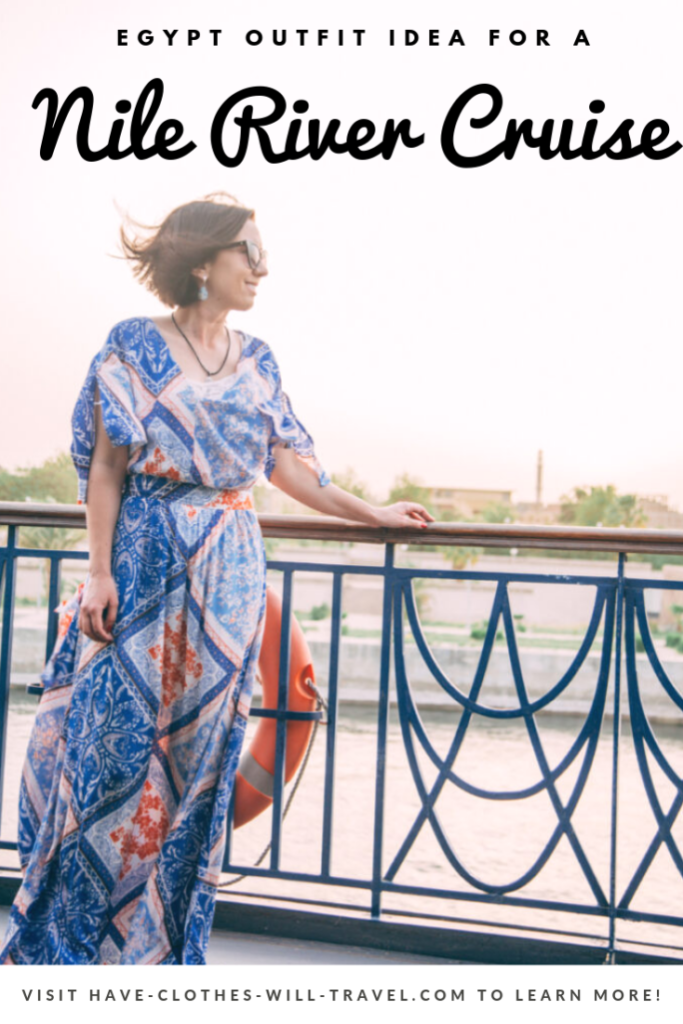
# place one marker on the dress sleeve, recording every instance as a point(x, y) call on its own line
point(110, 377)
point(286, 429)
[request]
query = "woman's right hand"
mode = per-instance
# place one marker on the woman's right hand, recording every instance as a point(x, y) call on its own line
point(98, 608)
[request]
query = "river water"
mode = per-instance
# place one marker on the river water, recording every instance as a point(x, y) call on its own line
point(496, 841)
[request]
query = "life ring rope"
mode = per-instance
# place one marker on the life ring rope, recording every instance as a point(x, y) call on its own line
point(255, 779)
point(320, 703)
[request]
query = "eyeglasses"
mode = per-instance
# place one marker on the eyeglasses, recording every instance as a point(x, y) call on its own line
point(254, 254)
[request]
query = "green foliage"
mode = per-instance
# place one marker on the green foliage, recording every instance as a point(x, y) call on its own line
point(53, 480)
point(479, 630)
point(497, 512)
point(320, 611)
point(317, 612)
point(407, 488)
point(601, 506)
point(657, 561)
point(674, 638)
point(460, 558)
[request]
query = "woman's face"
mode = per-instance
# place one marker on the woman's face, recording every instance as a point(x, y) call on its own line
point(231, 281)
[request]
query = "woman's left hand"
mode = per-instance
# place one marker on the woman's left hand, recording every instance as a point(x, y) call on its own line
point(403, 513)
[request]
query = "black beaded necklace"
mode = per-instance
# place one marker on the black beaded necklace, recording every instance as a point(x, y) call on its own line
point(209, 373)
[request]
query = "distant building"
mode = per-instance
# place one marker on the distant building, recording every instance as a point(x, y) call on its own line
point(659, 515)
point(654, 507)
point(534, 512)
point(465, 501)
point(468, 503)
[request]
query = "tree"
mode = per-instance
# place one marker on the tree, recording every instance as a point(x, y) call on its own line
point(53, 480)
point(601, 506)
point(497, 512)
point(406, 488)
point(459, 557)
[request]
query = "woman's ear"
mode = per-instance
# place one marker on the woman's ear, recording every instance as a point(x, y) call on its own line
point(201, 273)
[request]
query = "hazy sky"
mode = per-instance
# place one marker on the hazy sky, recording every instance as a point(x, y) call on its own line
point(442, 321)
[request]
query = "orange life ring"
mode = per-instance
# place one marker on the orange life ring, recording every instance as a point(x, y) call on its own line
point(255, 774)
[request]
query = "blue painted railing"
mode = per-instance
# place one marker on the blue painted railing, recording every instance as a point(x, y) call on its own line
point(618, 618)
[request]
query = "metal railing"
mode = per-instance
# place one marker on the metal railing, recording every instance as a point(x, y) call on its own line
point(618, 627)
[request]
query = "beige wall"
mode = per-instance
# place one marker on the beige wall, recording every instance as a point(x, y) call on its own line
point(667, 619)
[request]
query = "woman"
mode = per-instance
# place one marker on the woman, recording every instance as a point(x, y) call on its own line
point(134, 751)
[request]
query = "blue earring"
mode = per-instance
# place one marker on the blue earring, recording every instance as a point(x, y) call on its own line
point(203, 292)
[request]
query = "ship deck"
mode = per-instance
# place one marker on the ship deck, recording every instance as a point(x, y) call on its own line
point(238, 948)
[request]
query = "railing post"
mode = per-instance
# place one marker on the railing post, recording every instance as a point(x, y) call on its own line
point(53, 601)
point(616, 734)
point(382, 720)
point(6, 648)
point(281, 724)
point(332, 703)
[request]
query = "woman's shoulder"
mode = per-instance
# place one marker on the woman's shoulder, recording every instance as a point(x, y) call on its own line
point(132, 332)
point(137, 343)
point(126, 336)
point(263, 357)
point(252, 345)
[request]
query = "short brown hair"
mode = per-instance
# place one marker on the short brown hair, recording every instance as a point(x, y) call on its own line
point(189, 236)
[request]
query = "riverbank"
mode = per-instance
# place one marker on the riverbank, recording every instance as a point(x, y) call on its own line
point(359, 673)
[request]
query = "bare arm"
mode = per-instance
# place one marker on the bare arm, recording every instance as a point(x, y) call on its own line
point(105, 481)
point(298, 480)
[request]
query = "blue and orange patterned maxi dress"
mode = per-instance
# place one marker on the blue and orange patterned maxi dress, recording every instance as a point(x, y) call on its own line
point(135, 746)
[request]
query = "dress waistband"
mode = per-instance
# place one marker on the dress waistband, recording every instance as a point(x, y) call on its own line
point(159, 488)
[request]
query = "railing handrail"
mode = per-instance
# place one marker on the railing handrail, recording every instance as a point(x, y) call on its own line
point(326, 528)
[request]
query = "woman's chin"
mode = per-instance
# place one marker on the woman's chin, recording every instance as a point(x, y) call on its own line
point(242, 303)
